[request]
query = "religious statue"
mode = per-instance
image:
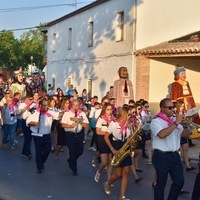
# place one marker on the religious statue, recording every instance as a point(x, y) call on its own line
point(122, 88)
point(18, 85)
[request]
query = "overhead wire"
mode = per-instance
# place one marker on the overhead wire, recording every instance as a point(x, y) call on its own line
point(34, 8)
point(2, 10)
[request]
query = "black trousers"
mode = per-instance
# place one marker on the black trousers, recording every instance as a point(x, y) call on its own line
point(168, 163)
point(42, 149)
point(94, 138)
point(76, 146)
point(196, 190)
point(27, 138)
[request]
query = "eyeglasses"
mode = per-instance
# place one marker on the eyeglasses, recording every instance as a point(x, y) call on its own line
point(169, 107)
point(146, 106)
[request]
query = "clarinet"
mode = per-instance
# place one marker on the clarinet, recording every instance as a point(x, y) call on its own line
point(38, 129)
point(76, 128)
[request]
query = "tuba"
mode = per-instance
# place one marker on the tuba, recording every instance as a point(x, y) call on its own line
point(128, 148)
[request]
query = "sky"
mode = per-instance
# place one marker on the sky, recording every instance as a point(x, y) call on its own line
point(24, 18)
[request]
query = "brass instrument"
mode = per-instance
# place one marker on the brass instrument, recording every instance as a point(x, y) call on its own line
point(22, 111)
point(189, 114)
point(77, 120)
point(191, 124)
point(127, 149)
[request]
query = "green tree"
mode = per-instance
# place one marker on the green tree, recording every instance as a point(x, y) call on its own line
point(8, 48)
point(32, 44)
point(16, 53)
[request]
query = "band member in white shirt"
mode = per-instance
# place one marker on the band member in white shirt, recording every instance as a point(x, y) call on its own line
point(120, 129)
point(166, 132)
point(74, 123)
point(40, 123)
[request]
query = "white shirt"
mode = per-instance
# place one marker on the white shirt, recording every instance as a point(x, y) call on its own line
point(45, 122)
point(115, 129)
point(92, 112)
point(97, 113)
point(26, 113)
point(66, 119)
point(102, 124)
point(169, 143)
point(146, 120)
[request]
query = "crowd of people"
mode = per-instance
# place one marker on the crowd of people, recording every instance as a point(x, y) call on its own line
point(57, 119)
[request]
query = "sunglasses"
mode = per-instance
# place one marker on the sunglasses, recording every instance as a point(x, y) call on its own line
point(169, 107)
point(7, 93)
point(146, 106)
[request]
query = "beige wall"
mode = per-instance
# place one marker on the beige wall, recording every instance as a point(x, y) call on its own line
point(162, 20)
point(161, 76)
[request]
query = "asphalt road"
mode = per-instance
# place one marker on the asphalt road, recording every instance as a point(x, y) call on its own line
point(19, 180)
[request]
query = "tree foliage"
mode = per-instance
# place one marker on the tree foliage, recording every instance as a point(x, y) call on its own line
point(16, 53)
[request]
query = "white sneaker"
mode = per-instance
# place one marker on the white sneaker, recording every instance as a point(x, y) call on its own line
point(93, 149)
point(149, 162)
point(97, 176)
point(123, 198)
point(93, 163)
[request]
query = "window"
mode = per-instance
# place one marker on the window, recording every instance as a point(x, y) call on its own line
point(69, 82)
point(54, 43)
point(90, 32)
point(120, 26)
point(89, 89)
point(69, 38)
point(53, 82)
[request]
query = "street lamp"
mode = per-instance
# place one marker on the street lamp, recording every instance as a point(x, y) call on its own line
point(31, 63)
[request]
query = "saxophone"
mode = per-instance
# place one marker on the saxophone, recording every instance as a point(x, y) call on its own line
point(128, 148)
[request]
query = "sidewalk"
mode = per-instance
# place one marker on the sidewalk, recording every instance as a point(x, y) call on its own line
point(194, 151)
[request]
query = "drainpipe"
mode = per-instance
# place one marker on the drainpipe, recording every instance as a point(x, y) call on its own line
point(134, 48)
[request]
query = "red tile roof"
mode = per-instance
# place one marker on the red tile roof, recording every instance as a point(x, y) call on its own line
point(170, 49)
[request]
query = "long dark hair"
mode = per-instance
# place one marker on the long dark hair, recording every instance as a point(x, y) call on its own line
point(103, 111)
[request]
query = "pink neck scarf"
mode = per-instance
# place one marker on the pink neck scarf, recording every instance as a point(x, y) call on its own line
point(76, 113)
point(107, 119)
point(44, 112)
point(145, 111)
point(165, 118)
point(11, 107)
point(27, 103)
point(124, 127)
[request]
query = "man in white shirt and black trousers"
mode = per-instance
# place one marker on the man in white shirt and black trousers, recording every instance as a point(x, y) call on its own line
point(40, 124)
point(74, 121)
point(166, 132)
